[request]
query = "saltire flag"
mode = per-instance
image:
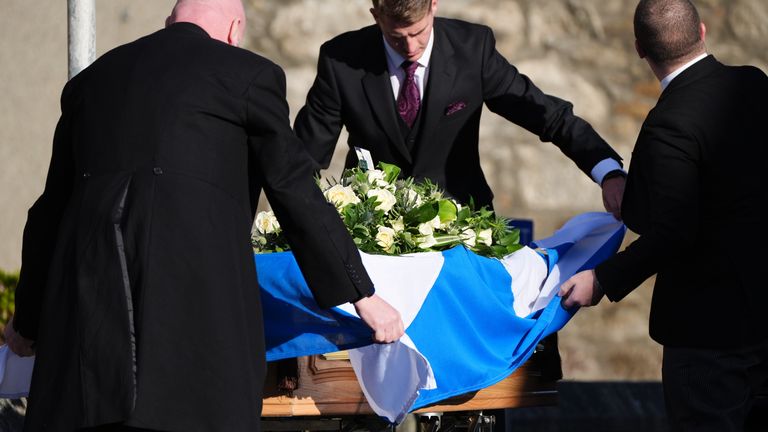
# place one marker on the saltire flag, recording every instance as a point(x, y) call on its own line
point(15, 374)
point(470, 320)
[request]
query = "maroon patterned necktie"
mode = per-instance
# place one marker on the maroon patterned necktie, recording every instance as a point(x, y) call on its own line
point(408, 100)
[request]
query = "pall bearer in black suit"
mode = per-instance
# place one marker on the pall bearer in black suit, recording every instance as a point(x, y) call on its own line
point(695, 194)
point(410, 90)
point(138, 284)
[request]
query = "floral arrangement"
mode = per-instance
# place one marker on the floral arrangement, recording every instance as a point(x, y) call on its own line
point(388, 215)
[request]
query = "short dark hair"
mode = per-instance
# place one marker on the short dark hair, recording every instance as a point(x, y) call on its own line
point(403, 11)
point(667, 30)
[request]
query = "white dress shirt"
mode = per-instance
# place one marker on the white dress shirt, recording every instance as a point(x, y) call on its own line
point(396, 72)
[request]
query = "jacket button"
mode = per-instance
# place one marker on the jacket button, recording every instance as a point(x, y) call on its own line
point(157, 170)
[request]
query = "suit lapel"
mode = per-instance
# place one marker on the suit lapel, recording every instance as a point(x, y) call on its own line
point(378, 91)
point(442, 73)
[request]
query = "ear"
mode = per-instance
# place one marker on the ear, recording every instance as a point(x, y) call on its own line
point(639, 49)
point(702, 32)
point(434, 6)
point(234, 35)
point(374, 14)
point(168, 21)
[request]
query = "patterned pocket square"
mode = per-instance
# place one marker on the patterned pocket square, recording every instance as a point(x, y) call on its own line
point(454, 108)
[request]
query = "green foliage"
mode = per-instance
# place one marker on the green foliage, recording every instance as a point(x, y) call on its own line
point(388, 215)
point(8, 282)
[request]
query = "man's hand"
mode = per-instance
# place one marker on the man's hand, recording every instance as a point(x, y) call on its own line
point(381, 317)
point(613, 191)
point(20, 345)
point(581, 289)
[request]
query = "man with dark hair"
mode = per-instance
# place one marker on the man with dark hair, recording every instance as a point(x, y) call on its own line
point(138, 284)
point(653, 23)
point(695, 190)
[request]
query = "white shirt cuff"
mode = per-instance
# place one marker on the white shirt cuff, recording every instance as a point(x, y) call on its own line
point(604, 167)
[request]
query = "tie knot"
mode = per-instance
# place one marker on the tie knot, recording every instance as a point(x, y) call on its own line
point(409, 67)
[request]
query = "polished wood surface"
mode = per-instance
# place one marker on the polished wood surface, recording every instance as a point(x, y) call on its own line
point(328, 386)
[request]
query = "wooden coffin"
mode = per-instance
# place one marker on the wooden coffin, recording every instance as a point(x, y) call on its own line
point(328, 387)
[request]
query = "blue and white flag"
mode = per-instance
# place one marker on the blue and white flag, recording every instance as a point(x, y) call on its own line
point(470, 321)
point(15, 374)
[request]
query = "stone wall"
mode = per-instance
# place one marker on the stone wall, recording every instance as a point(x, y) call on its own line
point(579, 50)
point(33, 70)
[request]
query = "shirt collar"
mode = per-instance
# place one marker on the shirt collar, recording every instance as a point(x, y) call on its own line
point(667, 79)
point(394, 59)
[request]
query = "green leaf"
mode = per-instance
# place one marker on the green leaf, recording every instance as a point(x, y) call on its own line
point(510, 238)
point(447, 211)
point(423, 213)
point(464, 214)
point(391, 172)
point(498, 251)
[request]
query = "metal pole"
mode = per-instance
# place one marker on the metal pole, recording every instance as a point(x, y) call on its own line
point(82, 34)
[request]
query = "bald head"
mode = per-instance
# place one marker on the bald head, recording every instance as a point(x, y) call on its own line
point(668, 32)
point(223, 20)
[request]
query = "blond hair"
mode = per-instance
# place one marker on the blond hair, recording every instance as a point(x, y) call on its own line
point(403, 11)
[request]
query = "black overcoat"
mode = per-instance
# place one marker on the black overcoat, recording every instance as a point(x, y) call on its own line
point(138, 280)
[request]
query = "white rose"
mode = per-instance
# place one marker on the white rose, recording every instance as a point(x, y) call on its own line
point(435, 222)
point(376, 178)
point(266, 222)
point(468, 236)
point(341, 196)
point(398, 225)
point(426, 242)
point(426, 229)
point(385, 238)
point(413, 197)
point(385, 199)
point(485, 236)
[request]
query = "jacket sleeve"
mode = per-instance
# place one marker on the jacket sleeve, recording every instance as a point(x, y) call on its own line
point(324, 250)
point(42, 227)
point(318, 124)
point(665, 166)
point(515, 97)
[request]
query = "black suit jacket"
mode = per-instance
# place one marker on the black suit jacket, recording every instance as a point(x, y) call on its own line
point(138, 280)
point(695, 193)
point(352, 89)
